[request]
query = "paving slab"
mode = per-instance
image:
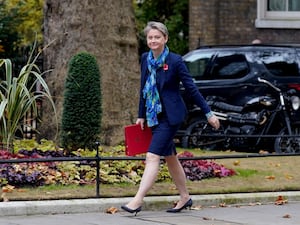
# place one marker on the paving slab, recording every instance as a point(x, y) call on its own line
point(287, 214)
point(224, 209)
point(158, 203)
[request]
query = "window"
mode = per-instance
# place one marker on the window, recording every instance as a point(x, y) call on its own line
point(280, 63)
point(283, 5)
point(210, 65)
point(229, 66)
point(278, 14)
point(197, 64)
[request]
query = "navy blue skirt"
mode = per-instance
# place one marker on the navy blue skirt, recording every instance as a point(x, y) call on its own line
point(162, 142)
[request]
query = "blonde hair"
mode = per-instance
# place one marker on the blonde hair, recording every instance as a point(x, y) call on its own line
point(158, 26)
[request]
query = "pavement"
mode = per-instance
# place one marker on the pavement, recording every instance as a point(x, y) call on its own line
point(220, 209)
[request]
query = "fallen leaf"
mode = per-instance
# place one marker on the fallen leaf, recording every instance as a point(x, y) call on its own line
point(287, 216)
point(112, 210)
point(8, 188)
point(272, 177)
point(223, 204)
point(197, 207)
point(280, 200)
point(289, 177)
point(207, 218)
point(263, 152)
point(254, 203)
point(236, 162)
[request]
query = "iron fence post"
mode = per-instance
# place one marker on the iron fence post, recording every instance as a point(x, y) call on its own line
point(98, 170)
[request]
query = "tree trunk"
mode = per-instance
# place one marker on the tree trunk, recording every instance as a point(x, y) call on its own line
point(107, 30)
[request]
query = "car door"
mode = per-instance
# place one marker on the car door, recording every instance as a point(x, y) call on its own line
point(224, 73)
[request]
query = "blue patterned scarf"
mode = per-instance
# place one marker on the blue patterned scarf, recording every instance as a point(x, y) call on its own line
point(150, 92)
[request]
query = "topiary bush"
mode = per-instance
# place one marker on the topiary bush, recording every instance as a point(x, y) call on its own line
point(82, 111)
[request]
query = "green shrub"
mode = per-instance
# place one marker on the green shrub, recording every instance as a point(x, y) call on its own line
point(81, 118)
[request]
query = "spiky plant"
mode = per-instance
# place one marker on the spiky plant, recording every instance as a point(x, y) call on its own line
point(19, 95)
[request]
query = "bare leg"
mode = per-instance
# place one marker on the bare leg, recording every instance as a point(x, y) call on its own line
point(148, 179)
point(178, 176)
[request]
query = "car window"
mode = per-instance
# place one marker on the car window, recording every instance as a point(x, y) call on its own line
point(198, 63)
point(229, 66)
point(280, 63)
point(220, 64)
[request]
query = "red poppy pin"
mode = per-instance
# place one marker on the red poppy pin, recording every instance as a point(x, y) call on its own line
point(166, 67)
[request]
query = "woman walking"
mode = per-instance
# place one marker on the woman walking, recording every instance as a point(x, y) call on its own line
point(162, 108)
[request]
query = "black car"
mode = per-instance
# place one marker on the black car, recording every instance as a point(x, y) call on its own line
point(253, 89)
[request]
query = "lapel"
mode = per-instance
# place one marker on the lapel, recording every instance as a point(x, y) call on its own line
point(162, 75)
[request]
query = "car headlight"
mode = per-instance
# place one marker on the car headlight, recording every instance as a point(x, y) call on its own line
point(295, 102)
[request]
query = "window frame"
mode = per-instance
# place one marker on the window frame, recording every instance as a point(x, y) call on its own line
point(276, 19)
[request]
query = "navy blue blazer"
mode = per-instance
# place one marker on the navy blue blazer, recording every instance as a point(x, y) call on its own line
point(168, 80)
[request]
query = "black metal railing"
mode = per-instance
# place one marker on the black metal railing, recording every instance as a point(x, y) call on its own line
point(98, 159)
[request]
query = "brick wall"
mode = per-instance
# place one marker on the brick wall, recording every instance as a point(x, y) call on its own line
point(231, 22)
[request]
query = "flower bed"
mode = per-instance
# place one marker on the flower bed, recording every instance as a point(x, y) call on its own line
point(111, 171)
point(202, 169)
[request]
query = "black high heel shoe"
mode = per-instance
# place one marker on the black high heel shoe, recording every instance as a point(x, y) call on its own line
point(188, 204)
point(127, 209)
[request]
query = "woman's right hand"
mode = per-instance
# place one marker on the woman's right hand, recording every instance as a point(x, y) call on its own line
point(141, 121)
point(214, 122)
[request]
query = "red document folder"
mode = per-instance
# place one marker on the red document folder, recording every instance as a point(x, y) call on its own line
point(137, 140)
